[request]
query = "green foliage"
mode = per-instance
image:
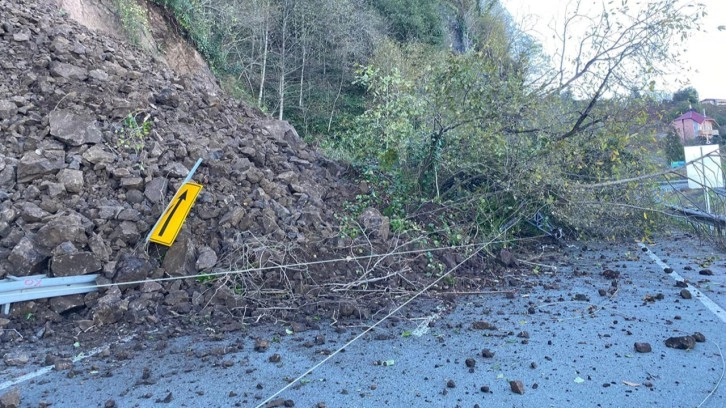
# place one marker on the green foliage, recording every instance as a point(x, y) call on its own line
point(412, 20)
point(438, 135)
point(132, 17)
point(467, 133)
point(673, 147)
point(718, 113)
point(387, 127)
point(689, 94)
point(383, 194)
point(202, 25)
point(207, 279)
point(455, 144)
point(133, 133)
point(349, 227)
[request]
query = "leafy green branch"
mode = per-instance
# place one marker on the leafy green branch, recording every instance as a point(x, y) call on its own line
point(133, 132)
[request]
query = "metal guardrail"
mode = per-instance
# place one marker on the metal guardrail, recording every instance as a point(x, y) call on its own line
point(15, 289)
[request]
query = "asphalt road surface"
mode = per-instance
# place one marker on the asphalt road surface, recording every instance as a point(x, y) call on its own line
point(565, 339)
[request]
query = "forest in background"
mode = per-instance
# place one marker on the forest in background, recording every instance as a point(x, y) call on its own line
point(458, 120)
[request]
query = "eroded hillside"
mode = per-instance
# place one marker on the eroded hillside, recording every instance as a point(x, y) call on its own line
point(97, 136)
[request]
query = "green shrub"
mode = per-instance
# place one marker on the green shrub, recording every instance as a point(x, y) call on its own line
point(132, 17)
point(133, 133)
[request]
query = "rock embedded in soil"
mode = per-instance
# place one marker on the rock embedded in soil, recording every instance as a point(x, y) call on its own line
point(643, 347)
point(62, 364)
point(180, 259)
point(298, 327)
point(681, 342)
point(279, 402)
point(16, 359)
point(63, 304)
point(705, 272)
point(507, 258)
point(517, 387)
point(686, 294)
point(486, 353)
point(261, 345)
point(699, 337)
point(73, 264)
point(169, 397)
point(481, 325)
point(132, 268)
point(28, 256)
point(10, 399)
point(207, 259)
point(374, 223)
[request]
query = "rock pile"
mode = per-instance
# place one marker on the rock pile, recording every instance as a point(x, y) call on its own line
point(97, 138)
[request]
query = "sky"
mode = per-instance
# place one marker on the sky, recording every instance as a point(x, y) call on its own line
point(704, 50)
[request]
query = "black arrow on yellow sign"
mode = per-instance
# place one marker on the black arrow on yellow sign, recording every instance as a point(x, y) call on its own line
point(170, 223)
point(171, 213)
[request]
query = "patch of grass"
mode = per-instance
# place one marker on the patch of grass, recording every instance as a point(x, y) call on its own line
point(132, 17)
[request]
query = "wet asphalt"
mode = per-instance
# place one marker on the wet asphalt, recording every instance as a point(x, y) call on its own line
point(567, 336)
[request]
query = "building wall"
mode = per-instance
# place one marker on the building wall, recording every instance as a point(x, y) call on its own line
point(718, 102)
point(687, 129)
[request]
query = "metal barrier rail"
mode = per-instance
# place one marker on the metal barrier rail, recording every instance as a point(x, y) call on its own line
point(15, 289)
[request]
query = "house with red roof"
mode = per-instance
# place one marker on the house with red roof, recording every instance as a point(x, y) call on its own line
point(692, 124)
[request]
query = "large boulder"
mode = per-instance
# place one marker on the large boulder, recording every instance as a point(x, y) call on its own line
point(68, 71)
point(132, 268)
point(71, 179)
point(110, 308)
point(73, 129)
point(68, 227)
point(28, 258)
point(79, 263)
point(33, 165)
point(374, 223)
point(180, 259)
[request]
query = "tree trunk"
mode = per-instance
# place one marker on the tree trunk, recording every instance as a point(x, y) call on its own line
point(264, 59)
point(281, 85)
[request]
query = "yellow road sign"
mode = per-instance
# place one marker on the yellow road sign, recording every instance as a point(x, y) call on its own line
point(168, 226)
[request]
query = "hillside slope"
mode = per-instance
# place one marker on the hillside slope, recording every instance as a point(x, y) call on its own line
point(97, 137)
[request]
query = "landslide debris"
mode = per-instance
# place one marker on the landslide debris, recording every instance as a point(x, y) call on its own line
point(97, 137)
